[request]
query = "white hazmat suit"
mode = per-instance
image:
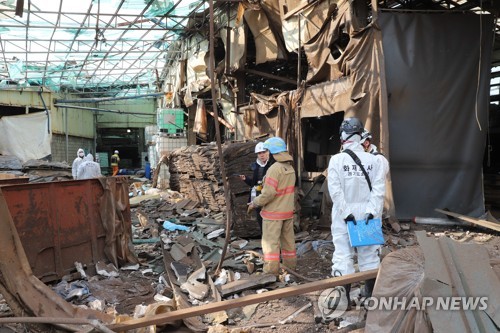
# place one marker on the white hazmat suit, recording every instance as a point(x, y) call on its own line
point(389, 211)
point(385, 163)
point(351, 194)
point(80, 154)
point(89, 169)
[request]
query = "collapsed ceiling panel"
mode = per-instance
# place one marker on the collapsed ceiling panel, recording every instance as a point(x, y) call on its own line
point(89, 46)
point(117, 47)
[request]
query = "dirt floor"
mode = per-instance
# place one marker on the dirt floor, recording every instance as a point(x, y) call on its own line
point(134, 290)
point(267, 315)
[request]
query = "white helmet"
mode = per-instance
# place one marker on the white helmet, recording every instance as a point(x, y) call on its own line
point(116, 152)
point(332, 303)
point(366, 135)
point(259, 147)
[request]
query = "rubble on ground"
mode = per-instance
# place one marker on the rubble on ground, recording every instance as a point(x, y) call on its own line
point(179, 241)
point(179, 245)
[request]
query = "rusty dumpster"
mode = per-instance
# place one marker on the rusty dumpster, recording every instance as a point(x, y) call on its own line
point(60, 223)
point(13, 181)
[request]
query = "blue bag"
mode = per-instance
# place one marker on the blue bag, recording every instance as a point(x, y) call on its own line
point(362, 234)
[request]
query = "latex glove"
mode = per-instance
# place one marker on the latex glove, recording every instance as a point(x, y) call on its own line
point(350, 218)
point(250, 207)
point(368, 217)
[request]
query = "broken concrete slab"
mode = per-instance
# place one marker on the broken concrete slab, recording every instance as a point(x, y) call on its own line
point(200, 238)
point(239, 244)
point(249, 310)
point(107, 270)
point(218, 317)
point(195, 289)
point(178, 252)
point(199, 274)
point(215, 233)
point(181, 271)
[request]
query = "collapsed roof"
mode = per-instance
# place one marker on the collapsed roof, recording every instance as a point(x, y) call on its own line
point(120, 47)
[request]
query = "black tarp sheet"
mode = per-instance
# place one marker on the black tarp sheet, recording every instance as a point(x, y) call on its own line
point(437, 74)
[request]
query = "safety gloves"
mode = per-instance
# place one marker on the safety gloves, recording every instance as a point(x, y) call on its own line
point(350, 218)
point(250, 207)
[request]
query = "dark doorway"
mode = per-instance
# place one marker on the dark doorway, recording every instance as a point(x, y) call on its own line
point(321, 140)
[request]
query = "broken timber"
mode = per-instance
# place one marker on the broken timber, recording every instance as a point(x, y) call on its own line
point(479, 222)
point(244, 284)
point(242, 301)
point(459, 270)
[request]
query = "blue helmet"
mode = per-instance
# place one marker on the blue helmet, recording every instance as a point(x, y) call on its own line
point(275, 145)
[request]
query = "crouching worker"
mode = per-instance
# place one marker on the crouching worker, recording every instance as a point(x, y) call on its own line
point(277, 207)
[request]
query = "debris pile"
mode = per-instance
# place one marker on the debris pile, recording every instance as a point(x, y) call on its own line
point(178, 242)
point(194, 172)
point(37, 170)
point(191, 239)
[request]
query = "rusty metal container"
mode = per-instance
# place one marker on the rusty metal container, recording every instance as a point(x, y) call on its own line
point(59, 223)
point(13, 181)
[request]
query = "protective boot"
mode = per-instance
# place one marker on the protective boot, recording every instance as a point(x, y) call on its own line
point(368, 288)
point(334, 302)
point(348, 292)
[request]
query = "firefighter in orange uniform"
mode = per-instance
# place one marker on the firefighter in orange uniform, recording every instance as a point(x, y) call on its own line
point(277, 203)
point(115, 160)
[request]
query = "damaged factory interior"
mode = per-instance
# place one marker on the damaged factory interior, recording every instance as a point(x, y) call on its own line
point(133, 196)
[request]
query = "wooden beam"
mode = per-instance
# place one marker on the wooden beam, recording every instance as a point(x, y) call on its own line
point(473, 220)
point(271, 76)
point(222, 121)
point(244, 284)
point(163, 318)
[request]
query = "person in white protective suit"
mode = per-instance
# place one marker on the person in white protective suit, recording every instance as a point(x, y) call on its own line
point(354, 198)
point(366, 142)
point(389, 211)
point(89, 169)
point(369, 147)
point(80, 154)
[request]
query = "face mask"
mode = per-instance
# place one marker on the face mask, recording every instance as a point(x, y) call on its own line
point(81, 155)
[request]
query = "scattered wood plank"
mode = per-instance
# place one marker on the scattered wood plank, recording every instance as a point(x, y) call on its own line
point(242, 301)
point(473, 220)
point(458, 270)
point(194, 322)
point(244, 284)
point(135, 201)
point(194, 172)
